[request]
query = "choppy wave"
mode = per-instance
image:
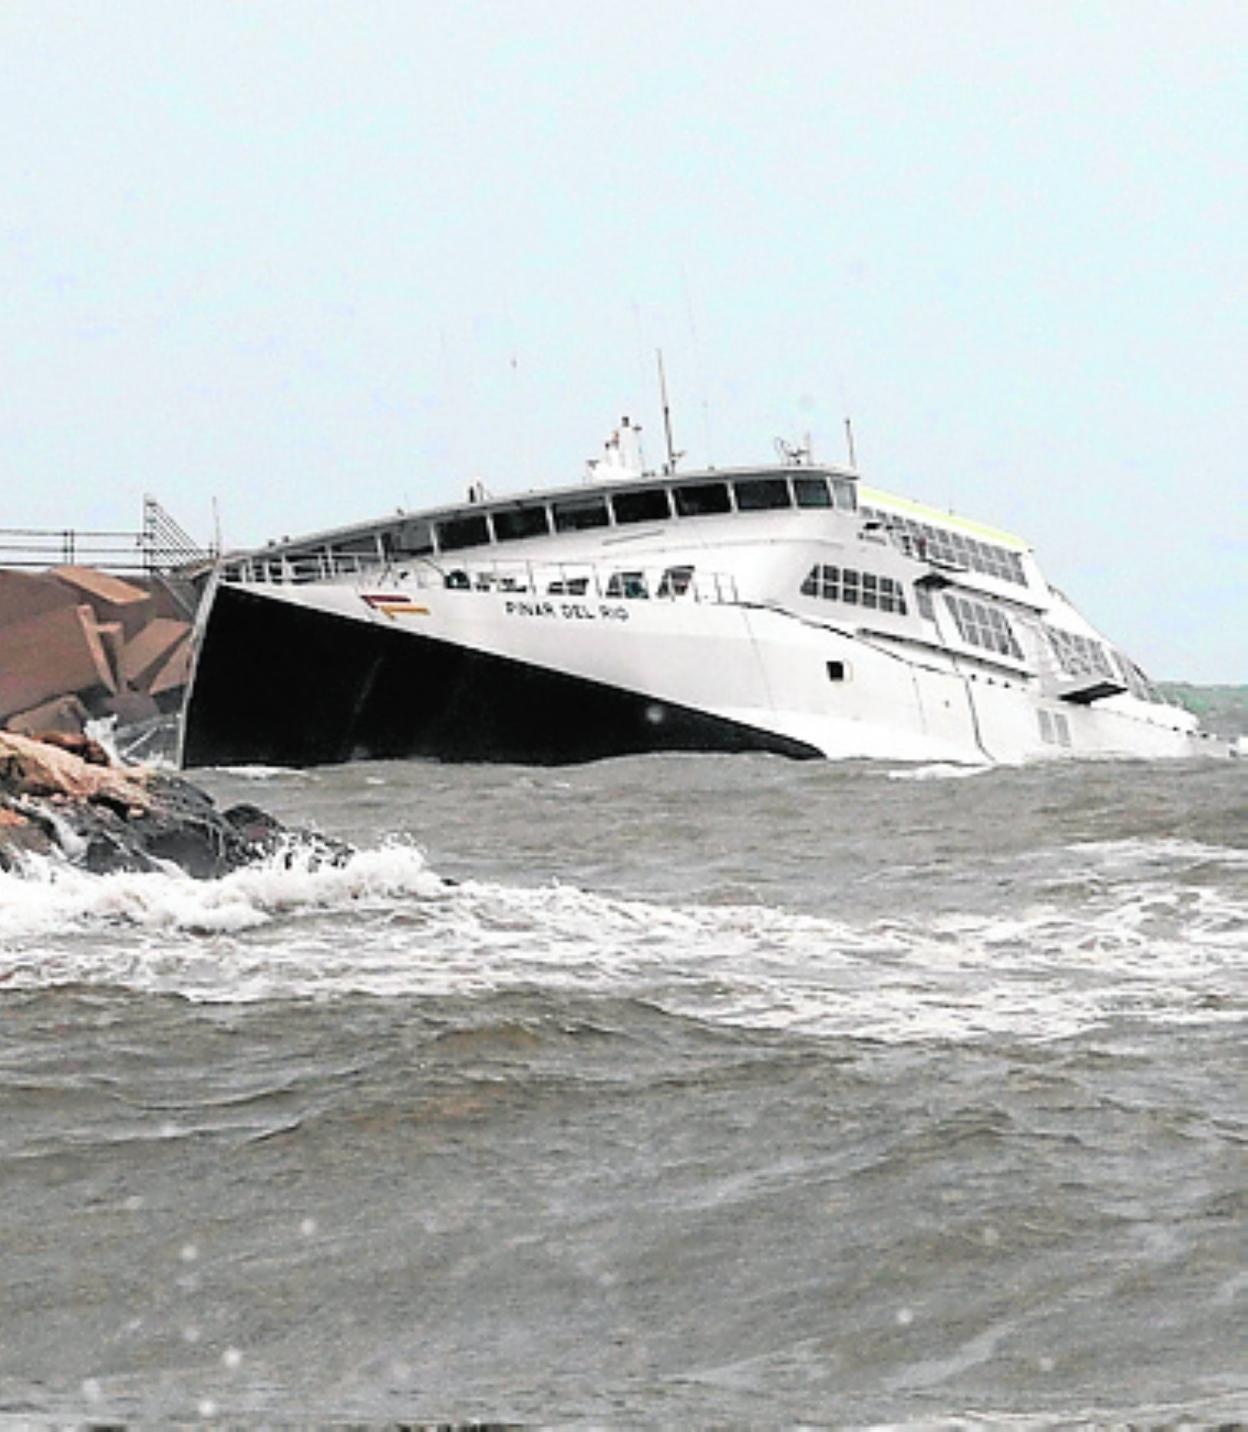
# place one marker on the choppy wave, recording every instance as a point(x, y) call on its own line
point(385, 924)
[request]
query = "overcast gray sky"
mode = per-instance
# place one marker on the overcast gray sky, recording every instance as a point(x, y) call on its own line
point(319, 260)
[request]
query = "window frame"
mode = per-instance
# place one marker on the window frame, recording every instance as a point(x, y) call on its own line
point(683, 496)
point(446, 526)
point(771, 484)
point(640, 495)
point(519, 514)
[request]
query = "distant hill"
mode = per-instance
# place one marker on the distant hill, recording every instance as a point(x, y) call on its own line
point(1223, 709)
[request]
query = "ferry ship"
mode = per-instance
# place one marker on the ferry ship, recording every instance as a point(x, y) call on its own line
point(787, 608)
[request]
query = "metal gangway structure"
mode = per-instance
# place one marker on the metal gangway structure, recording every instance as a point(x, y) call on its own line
point(158, 547)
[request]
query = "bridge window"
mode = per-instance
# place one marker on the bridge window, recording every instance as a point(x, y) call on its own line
point(578, 515)
point(413, 539)
point(456, 532)
point(647, 504)
point(812, 492)
point(761, 494)
point(701, 499)
point(513, 523)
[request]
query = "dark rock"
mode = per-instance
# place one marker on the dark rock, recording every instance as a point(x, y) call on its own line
point(266, 836)
point(108, 818)
point(20, 835)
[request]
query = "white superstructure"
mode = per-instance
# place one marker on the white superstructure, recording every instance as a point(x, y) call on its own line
point(786, 609)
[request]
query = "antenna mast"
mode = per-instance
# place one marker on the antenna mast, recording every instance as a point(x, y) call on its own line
point(667, 414)
point(849, 439)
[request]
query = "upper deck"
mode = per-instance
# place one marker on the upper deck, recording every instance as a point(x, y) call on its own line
point(593, 510)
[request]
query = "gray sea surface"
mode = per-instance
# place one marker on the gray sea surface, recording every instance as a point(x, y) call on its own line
point(668, 1090)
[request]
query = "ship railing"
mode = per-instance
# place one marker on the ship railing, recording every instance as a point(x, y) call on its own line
point(284, 569)
point(572, 580)
point(615, 582)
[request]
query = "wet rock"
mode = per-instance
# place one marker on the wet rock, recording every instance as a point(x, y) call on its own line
point(20, 835)
point(267, 836)
point(106, 817)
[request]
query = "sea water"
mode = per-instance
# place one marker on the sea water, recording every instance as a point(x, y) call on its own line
point(662, 1090)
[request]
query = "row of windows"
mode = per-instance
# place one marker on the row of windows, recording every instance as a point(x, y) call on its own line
point(843, 584)
point(673, 582)
point(978, 623)
point(652, 503)
point(1079, 655)
point(923, 540)
point(1137, 683)
point(982, 625)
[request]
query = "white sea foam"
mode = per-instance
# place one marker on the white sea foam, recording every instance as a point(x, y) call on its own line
point(384, 924)
point(51, 897)
point(1168, 852)
point(266, 773)
point(938, 771)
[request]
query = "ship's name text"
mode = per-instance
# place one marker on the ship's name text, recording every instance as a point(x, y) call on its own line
point(568, 611)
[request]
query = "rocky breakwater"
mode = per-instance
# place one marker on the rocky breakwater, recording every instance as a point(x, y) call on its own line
point(78, 644)
point(65, 795)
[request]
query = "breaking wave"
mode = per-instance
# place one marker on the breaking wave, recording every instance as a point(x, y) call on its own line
point(384, 924)
point(50, 896)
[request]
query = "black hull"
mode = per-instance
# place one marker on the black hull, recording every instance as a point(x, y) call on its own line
point(278, 684)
